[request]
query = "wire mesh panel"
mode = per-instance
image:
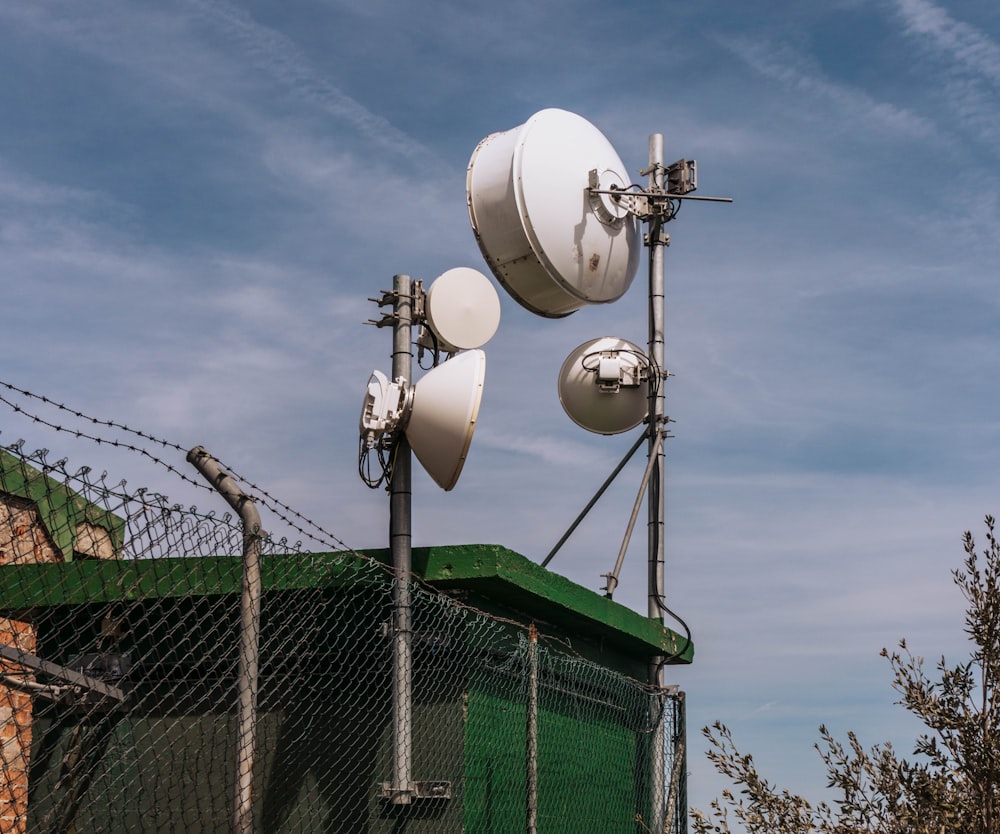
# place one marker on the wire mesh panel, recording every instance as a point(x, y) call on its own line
point(594, 753)
point(119, 656)
point(675, 761)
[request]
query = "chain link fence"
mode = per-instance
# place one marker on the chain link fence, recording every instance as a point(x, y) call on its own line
point(120, 673)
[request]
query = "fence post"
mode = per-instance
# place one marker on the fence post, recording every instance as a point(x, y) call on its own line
point(675, 821)
point(249, 657)
point(532, 731)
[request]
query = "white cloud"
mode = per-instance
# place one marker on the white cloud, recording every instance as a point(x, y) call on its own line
point(542, 449)
point(971, 60)
point(854, 107)
point(963, 43)
point(278, 56)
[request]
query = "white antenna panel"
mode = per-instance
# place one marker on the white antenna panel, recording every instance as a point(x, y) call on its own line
point(552, 245)
point(462, 309)
point(444, 413)
point(603, 385)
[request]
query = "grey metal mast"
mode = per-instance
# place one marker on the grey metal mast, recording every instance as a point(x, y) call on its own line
point(401, 547)
point(407, 298)
point(657, 241)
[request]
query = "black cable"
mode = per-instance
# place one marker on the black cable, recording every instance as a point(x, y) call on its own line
point(388, 464)
point(437, 350)
point(687, 633)
point(661, 603)
point(652, 369)
point(365, 467)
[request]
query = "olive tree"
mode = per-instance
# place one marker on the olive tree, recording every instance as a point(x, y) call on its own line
point(951, 782)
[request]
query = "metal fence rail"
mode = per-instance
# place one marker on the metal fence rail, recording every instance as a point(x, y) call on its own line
point(120, 665)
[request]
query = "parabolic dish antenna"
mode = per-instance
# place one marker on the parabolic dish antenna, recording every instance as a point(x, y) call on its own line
point(603, 385)
point(438, 414)
point(462, 309)
point(444, 413)
point(552, 245)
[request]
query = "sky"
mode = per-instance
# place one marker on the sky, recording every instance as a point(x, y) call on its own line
point(197, 198)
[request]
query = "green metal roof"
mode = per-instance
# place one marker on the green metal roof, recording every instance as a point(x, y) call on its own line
point(508, 577)
point(490, 572)
point(59, 508)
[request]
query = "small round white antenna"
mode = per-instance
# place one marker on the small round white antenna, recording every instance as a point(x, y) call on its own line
point(463, 309)
point(603, 385)
point(553, 245)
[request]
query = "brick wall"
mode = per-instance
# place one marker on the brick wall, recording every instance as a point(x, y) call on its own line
point(23, 540)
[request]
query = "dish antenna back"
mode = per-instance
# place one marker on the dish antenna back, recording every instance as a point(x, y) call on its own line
point(438, 415)
point(552, 244)
point(603, 385)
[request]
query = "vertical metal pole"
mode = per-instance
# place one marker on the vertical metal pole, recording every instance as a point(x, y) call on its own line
point(657, 315)
point(249, 657)
point(656, 393)
point(400, 545)
point(532, 731)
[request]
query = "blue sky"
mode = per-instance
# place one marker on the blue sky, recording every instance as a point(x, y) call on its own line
point(197, 198)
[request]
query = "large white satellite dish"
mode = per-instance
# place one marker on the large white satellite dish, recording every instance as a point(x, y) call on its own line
point(438, 414)
point(553, 245)
point(603, 385)
point(463, 309)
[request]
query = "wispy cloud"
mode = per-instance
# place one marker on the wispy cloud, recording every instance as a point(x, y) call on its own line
point(278, 56)
point(964, 44)
point(22, 190)
point(781, 63)
point(971, 60)
point(544, 449)
point(159, 46)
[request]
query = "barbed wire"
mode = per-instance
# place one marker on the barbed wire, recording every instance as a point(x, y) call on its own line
point(323, 630)
point(283, 511)
point(156, 505)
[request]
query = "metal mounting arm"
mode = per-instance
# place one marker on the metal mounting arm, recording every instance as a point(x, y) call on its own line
point(652, 202)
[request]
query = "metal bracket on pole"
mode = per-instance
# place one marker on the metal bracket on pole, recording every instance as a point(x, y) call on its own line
point(71, 677)
point(590, 504)
point(659, 201)
point(612, 578)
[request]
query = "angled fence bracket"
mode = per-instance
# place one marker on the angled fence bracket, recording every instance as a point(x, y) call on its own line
point(249, 657)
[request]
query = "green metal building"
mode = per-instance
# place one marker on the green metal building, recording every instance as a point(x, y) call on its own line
point(131, 723)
